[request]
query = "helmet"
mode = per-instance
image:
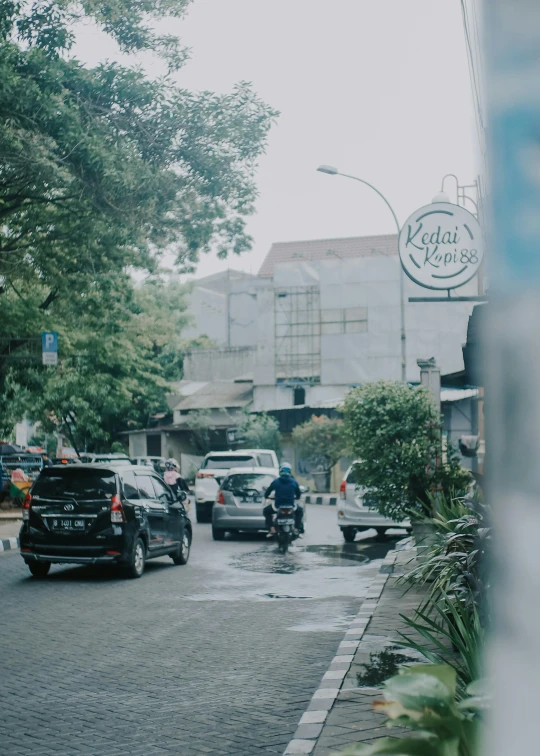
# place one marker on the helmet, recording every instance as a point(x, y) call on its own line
point(171, 464)
point(285, 469)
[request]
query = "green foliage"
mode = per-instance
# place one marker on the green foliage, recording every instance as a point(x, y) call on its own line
point(320, 441)
point(423, 698)
point(199, 422)
point(395, 432)
point(103, 170)
point(115, 366)
point(260, 431)
point(448, 626)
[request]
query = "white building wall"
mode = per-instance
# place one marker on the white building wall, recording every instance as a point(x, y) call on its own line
point(367, 346)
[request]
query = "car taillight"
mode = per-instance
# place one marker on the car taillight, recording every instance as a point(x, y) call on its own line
point(117, 510)
point(220, 499)
point(343, 489)
point(26, 507)
point(205, 475)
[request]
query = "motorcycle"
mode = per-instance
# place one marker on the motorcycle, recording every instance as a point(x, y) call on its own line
point(286, 531)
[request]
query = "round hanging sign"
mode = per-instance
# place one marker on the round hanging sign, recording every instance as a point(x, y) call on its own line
point(441, 246)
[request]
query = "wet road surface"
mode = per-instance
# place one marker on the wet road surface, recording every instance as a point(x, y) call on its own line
point(220, 656)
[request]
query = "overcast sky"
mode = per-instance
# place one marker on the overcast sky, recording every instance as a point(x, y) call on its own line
point(379, 88)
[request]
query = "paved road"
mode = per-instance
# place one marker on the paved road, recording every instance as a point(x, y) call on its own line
point(220, 656)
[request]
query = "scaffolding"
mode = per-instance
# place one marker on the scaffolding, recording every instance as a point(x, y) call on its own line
point(297, 331)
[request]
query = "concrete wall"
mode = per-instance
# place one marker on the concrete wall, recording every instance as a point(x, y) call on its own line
point(360, 322)
point(219, 364)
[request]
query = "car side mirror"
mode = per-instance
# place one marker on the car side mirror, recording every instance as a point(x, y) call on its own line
point(182, 496)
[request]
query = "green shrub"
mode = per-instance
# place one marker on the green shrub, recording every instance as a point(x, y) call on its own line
point(395, 432)
point(422, 698)
point(320, 441)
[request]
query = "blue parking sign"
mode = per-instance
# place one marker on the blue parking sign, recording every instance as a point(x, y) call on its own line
point(49, 347)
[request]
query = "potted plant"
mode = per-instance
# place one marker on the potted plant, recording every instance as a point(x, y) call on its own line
point(319, 443)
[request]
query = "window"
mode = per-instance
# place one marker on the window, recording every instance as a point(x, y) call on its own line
point(299, 396)
point(355, 477)
point(266, 460)
point(75, 483)
point(153, 445)
point(146, 489)
point(242, 482)
point(162, 492)
point(130, 485)
point(226, 462)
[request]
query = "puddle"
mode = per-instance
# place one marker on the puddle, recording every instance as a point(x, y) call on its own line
point(325, 623)
point(283, 596)
point(301, 558)
point(381, 666)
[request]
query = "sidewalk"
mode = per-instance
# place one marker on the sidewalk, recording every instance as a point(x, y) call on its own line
point(367, 656)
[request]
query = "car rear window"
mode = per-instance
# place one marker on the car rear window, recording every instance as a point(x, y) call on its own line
point(355, 476)
point(75, 483)
point(244, 481)
point(225, 463)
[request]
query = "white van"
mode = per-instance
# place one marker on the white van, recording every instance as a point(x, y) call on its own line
point(215, 468)
point(353, 514)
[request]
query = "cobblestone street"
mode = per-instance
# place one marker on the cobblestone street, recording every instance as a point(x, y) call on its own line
point(220, 656)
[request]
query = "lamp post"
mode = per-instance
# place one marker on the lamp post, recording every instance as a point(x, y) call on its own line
point(334, 172)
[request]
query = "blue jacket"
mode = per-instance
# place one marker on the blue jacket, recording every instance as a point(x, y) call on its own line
point(286, 489)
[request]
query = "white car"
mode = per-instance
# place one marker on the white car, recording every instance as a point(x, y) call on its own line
point(215, 468)
point(353, 513)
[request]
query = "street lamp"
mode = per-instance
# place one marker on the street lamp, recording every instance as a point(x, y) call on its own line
point(332, 171)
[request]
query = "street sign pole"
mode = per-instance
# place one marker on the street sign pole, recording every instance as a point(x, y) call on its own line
point(513, 354)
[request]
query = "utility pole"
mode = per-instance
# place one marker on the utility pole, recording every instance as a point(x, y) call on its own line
point(513, 371)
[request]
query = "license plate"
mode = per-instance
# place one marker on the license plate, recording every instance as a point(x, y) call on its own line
point(64, 524)
point(286, 522)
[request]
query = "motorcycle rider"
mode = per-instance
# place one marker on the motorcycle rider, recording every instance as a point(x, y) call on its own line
point(173, 478)
point(286, 491)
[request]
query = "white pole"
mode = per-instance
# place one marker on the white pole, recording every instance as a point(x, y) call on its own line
point(513, 376)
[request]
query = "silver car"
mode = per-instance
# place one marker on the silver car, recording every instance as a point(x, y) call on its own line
point(354, 513)
point(240, 501)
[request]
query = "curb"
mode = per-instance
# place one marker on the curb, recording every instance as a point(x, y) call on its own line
point(9, 544)
point(328, 499)
point(312, 721)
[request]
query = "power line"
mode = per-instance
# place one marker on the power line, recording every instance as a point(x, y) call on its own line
point(473, 65)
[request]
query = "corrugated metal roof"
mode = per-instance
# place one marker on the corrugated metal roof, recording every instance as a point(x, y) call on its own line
point(323, 249)
point(217, 395)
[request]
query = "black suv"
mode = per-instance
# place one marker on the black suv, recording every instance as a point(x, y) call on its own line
point(102, 514)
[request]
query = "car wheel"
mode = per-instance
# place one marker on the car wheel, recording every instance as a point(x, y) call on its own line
point(381, 534)
point(39, 569)
point(218, 534)
point(135, 566)
point(349, 534)
point(181, 555)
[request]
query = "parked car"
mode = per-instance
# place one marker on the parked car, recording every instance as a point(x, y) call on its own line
point(98, 459)
point(215, 468)
point(158, 463)
point(240, 501)
point(354, 514)
point(102, 514)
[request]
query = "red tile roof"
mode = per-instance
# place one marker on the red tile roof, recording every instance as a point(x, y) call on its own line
point(323, 249)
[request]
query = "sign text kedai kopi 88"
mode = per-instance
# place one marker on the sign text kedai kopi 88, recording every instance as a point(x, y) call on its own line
point(441, 246)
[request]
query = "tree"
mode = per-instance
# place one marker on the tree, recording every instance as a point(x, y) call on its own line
point(260, 431)
point(101, 171)
point(395, 433)
point(115, 367)
point(320, 442)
